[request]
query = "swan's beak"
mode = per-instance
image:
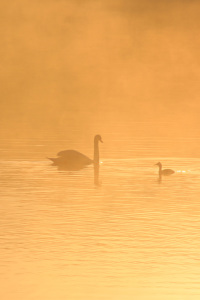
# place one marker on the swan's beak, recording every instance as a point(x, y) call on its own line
point(101, 140)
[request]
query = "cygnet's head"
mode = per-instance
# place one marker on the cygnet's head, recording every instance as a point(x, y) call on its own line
point(98, 138)
point(158, 164)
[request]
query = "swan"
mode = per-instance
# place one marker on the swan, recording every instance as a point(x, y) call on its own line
point(74, 160)
point(165, 172)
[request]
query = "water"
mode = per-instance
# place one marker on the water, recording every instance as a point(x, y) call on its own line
point(131, 237)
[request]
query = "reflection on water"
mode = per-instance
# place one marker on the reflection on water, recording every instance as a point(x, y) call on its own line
point(62, 237)
point(96, 174)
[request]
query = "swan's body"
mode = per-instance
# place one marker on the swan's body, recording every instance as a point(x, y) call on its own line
point(74, 160)
point(165, 172)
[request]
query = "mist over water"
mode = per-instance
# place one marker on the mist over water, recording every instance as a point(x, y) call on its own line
point(66, 64)
point(129, 71)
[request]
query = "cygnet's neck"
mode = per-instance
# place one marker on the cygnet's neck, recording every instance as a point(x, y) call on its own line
point(160, 169)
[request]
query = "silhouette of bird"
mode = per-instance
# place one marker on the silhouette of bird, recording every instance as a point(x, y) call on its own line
point(74, 160)
point(165, 172)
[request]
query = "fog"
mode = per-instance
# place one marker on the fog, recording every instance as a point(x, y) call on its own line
point(68, 64)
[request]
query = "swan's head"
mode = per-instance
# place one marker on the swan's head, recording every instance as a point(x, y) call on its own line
point(158, 164)
point(98, 138)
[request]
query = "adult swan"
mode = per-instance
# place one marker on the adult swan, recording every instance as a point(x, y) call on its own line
point(73, 160)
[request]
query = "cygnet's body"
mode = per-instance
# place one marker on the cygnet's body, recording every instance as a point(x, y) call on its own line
point(74, 160)
point(165, 172)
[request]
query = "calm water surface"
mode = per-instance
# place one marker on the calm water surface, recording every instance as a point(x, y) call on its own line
point(132, 237)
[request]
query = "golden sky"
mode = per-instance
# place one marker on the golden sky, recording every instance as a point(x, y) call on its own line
point(140, 57)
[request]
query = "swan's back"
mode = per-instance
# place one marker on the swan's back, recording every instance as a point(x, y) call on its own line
point(75, 155)
point(71, 159)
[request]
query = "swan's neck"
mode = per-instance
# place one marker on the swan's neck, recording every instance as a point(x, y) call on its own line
point(96, 152)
